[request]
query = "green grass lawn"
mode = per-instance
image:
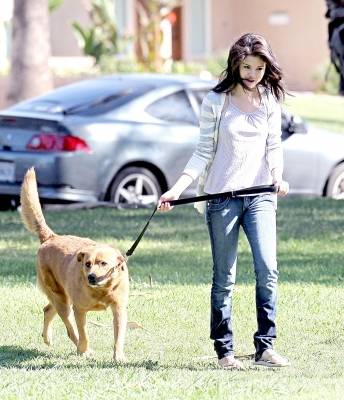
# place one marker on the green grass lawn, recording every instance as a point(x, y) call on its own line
point(171, 357)
point(324, 111)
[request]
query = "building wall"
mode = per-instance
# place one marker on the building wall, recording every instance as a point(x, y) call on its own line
point(63, 42)
point(296, 30)
point(299, 41)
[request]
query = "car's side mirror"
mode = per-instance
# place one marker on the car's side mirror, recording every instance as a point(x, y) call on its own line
point(296, 125)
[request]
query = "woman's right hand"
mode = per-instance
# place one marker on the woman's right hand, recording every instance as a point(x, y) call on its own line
point(163, 203)
point(174, 193)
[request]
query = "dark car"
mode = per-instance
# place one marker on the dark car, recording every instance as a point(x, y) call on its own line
point(126, 139)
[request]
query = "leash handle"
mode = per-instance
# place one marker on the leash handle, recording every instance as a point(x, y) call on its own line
point(133, 247)
point(232, 194)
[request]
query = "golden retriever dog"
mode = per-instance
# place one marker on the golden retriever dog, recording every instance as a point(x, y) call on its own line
point(76, 274)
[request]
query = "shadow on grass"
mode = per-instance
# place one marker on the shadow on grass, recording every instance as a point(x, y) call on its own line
point(190, 268)
point(175, 248)
point(20, 358)
point(15, 356)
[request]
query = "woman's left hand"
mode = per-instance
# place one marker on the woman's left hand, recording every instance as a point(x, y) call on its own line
point(278, 181)
point(283, 188)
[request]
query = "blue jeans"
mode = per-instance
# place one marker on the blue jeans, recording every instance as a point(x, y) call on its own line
point(257, 216)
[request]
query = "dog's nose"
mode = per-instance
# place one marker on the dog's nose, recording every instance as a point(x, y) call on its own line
point(92, 279)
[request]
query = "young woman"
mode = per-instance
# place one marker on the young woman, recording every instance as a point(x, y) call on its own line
point(240, 147)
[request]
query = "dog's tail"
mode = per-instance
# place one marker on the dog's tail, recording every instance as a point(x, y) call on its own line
point(31, 210)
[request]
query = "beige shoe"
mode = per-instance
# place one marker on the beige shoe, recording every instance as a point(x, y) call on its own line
point(270, 358)
point(231, 362)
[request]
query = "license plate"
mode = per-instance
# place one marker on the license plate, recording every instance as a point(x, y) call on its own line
point(7, 171)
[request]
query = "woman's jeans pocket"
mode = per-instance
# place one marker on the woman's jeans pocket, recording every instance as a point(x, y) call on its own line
point(217, 204)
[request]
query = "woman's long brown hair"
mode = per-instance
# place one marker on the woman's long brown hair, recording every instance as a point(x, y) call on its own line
point(252, 44)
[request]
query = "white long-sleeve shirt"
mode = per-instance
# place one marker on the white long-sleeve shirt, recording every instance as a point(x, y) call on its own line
point(249, 147)
point(267, 124)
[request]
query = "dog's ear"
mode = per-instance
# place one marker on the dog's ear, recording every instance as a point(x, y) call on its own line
point(80, 256)
point(121, 262)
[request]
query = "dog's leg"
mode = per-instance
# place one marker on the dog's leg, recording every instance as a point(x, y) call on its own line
point(83, 343)
point(65, 312)
point(120, 321)
point(59, 301)
point(49, 314)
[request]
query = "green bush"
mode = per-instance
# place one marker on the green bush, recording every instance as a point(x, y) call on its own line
point(113, 65)
point(214, 64)
point(327, 79)
point(102, 37)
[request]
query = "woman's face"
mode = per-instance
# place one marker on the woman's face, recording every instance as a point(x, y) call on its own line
point(251, 70)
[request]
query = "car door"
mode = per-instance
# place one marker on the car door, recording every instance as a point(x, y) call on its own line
point(180, 133)
point(300, 156)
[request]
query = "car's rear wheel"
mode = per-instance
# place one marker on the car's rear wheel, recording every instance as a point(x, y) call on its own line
point(135, 185)
point(335, 186)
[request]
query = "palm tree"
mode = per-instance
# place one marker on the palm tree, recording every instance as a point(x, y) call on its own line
point(31, 49)
point(150, 35)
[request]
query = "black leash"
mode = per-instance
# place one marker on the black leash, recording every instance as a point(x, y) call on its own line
point(232, 194)
point(133, 247)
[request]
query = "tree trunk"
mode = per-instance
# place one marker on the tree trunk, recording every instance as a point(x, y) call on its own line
point(31, 49)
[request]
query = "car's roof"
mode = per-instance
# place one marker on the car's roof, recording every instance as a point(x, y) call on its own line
point(94, 91)
point(108, 83)
point(157, 79)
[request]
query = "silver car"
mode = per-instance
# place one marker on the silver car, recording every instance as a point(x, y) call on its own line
point(126, 139)
point(313, 159)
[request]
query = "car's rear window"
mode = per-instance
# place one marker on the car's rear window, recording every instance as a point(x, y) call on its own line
point(89, 97)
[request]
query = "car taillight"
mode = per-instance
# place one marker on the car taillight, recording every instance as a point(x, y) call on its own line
point(58, 143)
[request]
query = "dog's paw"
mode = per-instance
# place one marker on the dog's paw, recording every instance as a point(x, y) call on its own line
point(86, 353)
point(120, 359)
point(47, 339)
